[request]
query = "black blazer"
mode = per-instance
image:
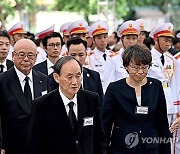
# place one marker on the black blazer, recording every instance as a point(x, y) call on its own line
point(9, 64)
point(91, 82)
point(50, 131)
point(15, 114)
point(119, 111)
point(42, 67)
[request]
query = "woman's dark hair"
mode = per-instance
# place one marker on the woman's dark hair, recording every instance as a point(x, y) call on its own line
point(139, 54)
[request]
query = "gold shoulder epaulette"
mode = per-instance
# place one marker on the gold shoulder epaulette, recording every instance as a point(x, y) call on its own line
point(177, 56)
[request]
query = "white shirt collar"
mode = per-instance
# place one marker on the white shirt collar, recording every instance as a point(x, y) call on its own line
point(66, 100)
point(21, 76)
point(4, 64)
point(156, 52)
point(49, 64)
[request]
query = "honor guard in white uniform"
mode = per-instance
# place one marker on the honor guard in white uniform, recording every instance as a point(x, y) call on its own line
point(177, 75)
point(16, 33)
point(66, 37)
point(142, 31)
point(78, 29)
point(99, 59)
point(128, 33)
point(41, 54)
point(163, 68)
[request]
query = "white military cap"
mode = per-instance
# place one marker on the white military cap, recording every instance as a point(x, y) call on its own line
point(17, 28)
point(163, 29)
point(97, 28)
point(129, 27)
point(141, 25)
point(178, 35)
point(78, 27)
point(45, 32)
point(65, 27)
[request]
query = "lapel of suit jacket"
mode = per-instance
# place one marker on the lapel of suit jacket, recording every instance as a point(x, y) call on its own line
point(82, 108)
point(59, 110)
point(85, 79)
point(37, 82)
point(9, 64)
point(17, 90)
point(45, 68)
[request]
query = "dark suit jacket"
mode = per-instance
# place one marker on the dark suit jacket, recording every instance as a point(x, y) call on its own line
point(9, 64)
point(119, 110)
point(42, 67)
point(15, 114)
point(91, 82)
point(50, 131)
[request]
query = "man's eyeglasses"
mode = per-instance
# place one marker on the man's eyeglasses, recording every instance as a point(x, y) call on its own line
point(22, 55)
point(137, 68)
point(52, 45)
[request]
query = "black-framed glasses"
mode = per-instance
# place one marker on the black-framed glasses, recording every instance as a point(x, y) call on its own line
point(136, 68)
point(23, 55)
point(52, 45)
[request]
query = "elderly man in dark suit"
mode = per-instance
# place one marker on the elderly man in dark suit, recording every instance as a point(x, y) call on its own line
point(68, 119)
point(18, 86)
point(91, 79)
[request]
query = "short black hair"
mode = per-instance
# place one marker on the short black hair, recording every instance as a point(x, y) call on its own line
point(138, 53)
point(58, 65)
point(53, 34)
point(76, 41)
point(4, 33)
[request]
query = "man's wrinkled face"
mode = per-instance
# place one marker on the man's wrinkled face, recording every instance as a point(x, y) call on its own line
point(69, 78)
point(24, 55)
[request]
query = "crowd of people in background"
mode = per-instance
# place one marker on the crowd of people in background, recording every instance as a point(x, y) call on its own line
point(82, 90)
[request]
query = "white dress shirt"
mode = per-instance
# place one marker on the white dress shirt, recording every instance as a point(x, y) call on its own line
point(50, 66)
point(5, 66)
point(66, 101)
point(21, 77)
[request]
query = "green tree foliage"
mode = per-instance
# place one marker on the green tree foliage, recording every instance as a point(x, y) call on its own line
point(84, 7)
point(8, 7)
point(124, 8)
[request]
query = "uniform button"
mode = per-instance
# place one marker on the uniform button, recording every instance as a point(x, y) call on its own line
point(76, 141)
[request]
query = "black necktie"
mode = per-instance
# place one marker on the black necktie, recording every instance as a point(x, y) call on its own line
point(162, 59)
point(27, 92)
point(72, 116)
point(104, 56)
point(1, 68)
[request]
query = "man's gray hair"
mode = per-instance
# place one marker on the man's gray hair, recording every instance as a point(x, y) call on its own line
point(58, 65)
